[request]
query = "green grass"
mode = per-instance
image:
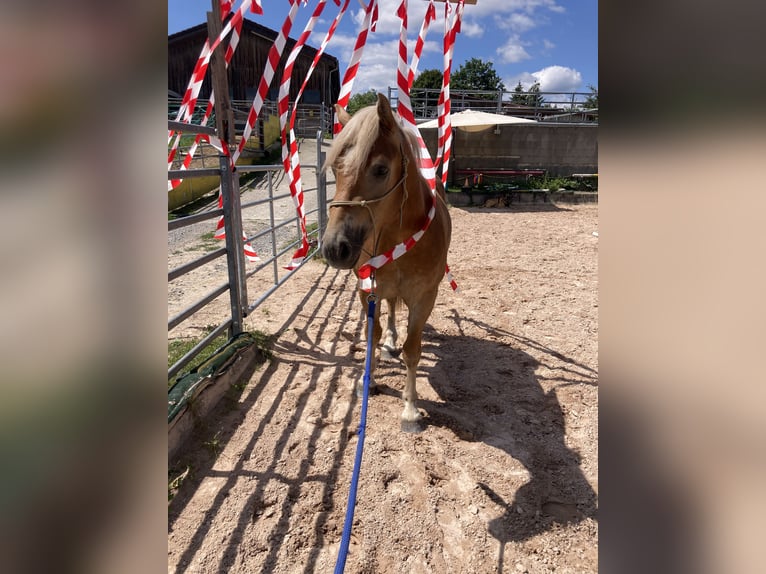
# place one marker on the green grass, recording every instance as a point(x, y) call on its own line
point(177, 348)
point(208, 242)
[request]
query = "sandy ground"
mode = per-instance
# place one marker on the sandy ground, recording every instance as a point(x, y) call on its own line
point(504, 477)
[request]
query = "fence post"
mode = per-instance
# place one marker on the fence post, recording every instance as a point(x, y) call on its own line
point(321, 192)
point(232, 211)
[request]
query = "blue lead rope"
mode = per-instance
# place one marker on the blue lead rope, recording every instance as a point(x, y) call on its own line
point(346, 537)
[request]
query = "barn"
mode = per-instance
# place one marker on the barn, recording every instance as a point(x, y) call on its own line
point(248, 63)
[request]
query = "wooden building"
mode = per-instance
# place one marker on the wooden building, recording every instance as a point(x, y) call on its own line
point(247, 66)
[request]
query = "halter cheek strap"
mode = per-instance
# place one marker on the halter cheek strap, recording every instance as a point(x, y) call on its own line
point(366, 202)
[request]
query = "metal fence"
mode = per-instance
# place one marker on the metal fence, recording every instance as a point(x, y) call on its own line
point(240, 303)
point(310, 118)
point(547, 106)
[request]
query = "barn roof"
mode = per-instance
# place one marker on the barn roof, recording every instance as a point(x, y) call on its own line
point(248, 27)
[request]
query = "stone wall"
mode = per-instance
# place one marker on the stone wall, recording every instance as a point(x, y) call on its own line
point(559, 149)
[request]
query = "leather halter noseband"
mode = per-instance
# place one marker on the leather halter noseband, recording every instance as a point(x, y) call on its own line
point(366, 202)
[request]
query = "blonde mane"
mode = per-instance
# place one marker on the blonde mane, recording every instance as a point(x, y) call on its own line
point(350, 149)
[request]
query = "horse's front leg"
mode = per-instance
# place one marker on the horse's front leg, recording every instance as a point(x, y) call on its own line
point(418, 315)
point(388, 350)
point(377, 332)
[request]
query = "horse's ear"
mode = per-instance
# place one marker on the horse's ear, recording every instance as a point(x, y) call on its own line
point(385, 113)
point(343, 115)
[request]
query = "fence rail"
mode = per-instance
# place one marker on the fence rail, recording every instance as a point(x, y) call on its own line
point(238, 276)
point(540, 106)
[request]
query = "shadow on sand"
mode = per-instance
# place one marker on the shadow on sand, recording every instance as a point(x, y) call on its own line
point(491, 393)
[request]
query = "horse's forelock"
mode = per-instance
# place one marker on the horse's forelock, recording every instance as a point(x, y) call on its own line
point(353, 145)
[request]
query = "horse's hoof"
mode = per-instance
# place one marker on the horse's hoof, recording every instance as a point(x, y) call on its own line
point(360, 390)
point(388, 353)
point(412, 427)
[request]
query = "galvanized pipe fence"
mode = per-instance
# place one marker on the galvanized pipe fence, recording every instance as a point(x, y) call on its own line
point(239, 302)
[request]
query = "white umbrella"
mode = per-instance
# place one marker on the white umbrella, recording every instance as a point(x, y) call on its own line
point(475, 121)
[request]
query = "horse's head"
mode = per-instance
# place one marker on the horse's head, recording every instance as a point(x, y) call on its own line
point(369, 161)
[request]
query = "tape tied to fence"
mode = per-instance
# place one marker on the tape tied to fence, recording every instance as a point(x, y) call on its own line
point(405, 77)
point(368, 25)
point(290, 155)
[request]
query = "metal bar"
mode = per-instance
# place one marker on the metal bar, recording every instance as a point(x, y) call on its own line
point(192, 219)
point(184, 173)
point(249, 168)
point(190, 128)
point(195, 350)
point(199, 262)
point(321, 192)
point(234, 245)
point(224, 121)
point(273, 229)
point(278, 284)
point(262, 201)
point(189, 311)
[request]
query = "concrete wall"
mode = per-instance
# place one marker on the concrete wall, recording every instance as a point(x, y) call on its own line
point(560, 149)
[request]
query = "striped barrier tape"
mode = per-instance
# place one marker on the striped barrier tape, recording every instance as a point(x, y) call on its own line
point(368, 25)
point(290, 155)
point(405, 76)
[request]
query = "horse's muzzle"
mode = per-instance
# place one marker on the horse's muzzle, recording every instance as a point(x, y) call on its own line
point(342, 250)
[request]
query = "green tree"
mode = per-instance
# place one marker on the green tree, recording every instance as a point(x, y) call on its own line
point(534, 99)
point(476, 74)
point(591, 101)
point(518, 96)
point(424, 102)
point(361, 100)
point(429, 79)
point(530, 97)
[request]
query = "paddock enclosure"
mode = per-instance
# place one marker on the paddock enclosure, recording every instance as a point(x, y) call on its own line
point(502, 479)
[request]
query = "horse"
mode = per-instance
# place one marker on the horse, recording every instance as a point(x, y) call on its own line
point(382, 201)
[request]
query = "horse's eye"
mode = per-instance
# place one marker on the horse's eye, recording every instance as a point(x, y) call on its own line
point(380, 171)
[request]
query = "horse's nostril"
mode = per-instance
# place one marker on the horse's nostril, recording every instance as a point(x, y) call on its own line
point(338, 253)
point(344, 251)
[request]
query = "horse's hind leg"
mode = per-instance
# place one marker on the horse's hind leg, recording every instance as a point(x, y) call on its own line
point(418, 315)
point(389, 341)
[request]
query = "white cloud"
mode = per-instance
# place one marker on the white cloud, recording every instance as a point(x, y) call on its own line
point(513, 51)
point(526, 79)
point(518, 22)
point(551, 79)
point(471, 29)
point(548, 45)
point(558, 79)
point(496, 7)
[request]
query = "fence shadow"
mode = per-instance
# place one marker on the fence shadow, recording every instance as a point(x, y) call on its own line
point(490, 393)
point(203, 462)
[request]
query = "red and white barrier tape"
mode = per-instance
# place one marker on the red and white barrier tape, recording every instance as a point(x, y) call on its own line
point(405, 76)
point(272, 61)
point(290, 155)
point(189, 100)
point(444, 146)
point(233, 43)
point(368, 25)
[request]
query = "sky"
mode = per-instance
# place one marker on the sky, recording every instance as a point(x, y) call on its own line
point(551, 42)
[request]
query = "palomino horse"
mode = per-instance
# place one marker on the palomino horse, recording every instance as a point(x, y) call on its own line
point(381, 200)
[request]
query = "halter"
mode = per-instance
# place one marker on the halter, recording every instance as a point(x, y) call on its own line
point(366, 202)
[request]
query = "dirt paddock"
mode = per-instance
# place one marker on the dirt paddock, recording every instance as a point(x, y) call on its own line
point(502, 479)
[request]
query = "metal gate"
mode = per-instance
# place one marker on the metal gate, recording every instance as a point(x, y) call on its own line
point(241, 304)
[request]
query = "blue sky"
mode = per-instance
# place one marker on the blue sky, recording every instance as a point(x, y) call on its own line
point(553, 42)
